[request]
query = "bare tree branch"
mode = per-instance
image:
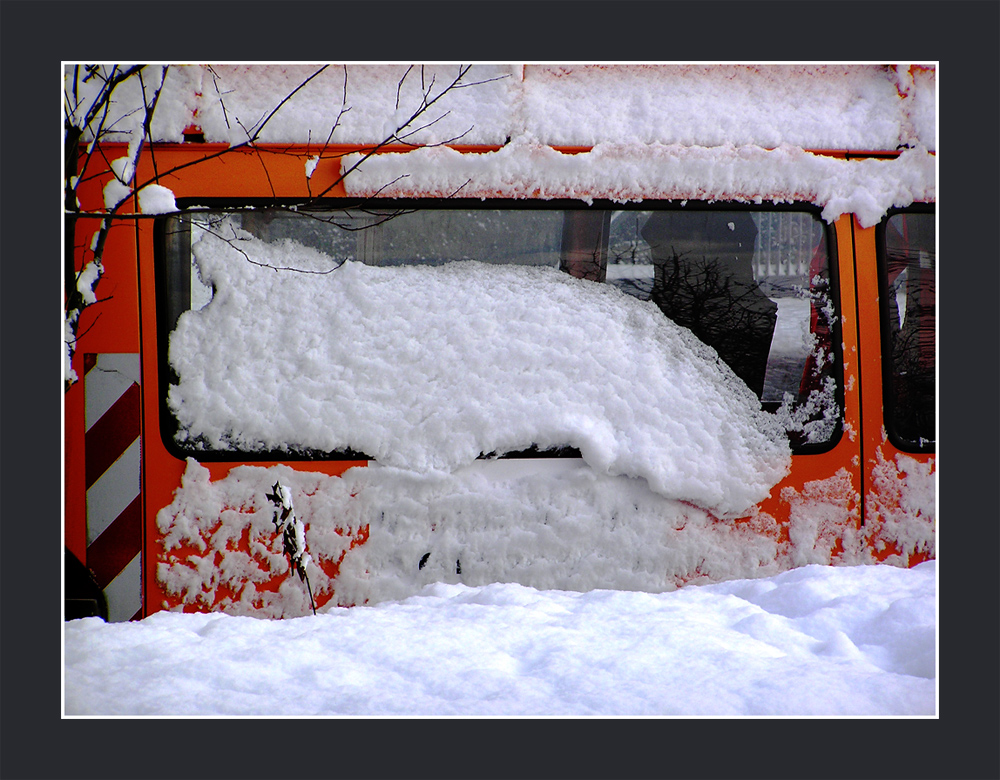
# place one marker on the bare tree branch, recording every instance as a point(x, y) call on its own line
point(424, 106)
point(231, 242)
point(98, 120)
point(243, 144)
point(287, 97)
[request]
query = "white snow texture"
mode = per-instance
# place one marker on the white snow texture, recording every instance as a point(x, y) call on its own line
point(658, 131)
point(816, 641)
point(426, 368)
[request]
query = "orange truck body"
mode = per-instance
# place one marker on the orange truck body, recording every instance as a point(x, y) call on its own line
point(125, 322)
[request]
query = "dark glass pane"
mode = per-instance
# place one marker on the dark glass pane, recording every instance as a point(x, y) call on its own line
point(909, 315)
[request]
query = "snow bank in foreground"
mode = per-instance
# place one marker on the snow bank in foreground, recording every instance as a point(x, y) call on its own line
point(392, 363)
point(632, 172)
point(813, 641)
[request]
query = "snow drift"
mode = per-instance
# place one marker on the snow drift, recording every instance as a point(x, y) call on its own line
point(817, 641)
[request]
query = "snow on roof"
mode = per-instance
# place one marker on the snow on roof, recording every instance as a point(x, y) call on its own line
point(709, 132)
point(860, 107)
point(635, 172)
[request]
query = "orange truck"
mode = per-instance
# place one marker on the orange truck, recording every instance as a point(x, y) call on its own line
point(830, 323)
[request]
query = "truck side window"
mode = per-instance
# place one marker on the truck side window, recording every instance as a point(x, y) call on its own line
point(909, 312)
point(753, 283)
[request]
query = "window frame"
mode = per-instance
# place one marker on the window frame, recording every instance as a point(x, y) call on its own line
point(168, 423)
point(885, 336)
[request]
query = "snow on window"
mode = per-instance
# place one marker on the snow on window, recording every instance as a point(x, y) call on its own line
point(428, 367)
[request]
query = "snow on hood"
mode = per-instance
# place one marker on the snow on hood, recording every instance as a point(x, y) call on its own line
point(393, 363)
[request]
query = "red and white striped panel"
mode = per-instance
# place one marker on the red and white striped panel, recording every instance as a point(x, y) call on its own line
point(114, 495)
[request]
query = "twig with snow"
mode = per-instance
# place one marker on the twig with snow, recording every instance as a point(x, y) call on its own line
point(293, 534)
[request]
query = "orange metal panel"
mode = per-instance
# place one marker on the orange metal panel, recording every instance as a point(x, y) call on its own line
point(216, 171)
point(877, 449)
point(836, 471)
point(111, 324)
point(108, 326)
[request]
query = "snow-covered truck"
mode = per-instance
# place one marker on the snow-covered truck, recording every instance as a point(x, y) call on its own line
point(576, 327)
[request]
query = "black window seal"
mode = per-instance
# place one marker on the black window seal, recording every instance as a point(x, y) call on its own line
point(888, 400)
point(168, 423)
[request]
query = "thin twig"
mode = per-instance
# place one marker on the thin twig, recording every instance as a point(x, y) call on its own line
point(259, 264)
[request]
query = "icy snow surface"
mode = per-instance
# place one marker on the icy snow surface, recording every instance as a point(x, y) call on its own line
point(813, 641)
point(425, 368)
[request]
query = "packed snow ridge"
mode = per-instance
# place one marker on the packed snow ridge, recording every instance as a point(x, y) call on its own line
point(860, 107)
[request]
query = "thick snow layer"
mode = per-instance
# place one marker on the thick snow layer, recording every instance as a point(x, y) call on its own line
point(708, 132)
point(426, 368)
point(862, 107)
point(811, 106)
point(632, 172)
point(816, 641)
point(379, 533)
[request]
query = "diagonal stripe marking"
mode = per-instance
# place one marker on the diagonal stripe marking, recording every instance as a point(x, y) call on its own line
point(121, 541)
point(112, 434)
point(106, 380)
point(124, 594)
point(113, 492)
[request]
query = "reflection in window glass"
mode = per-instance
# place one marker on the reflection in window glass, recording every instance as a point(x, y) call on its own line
point(375, 237)
point(909, 312)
